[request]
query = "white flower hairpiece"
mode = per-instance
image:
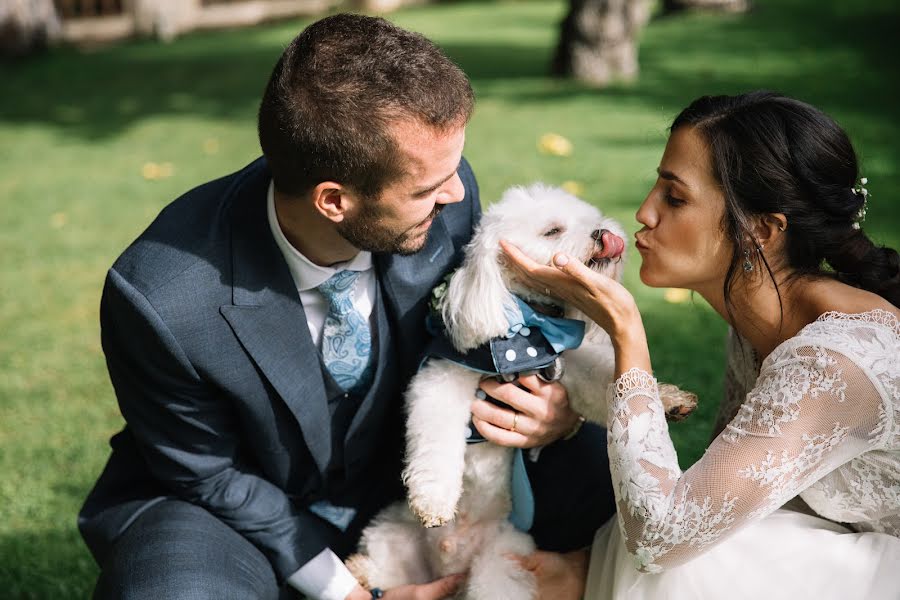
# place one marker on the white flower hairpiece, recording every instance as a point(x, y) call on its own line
point(860, 190)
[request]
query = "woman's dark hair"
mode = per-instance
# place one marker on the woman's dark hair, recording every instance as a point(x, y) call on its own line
point(334, 93)
point(774, 154)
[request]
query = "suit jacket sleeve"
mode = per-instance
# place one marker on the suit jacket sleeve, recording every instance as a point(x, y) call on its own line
point(187, 434)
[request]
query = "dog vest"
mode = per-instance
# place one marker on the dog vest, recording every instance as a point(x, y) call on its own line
point(502, 357)
point(533, 343)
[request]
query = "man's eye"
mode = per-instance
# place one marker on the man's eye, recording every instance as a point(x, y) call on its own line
point(552, 232)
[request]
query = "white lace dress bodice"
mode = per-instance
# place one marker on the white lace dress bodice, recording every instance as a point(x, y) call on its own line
point(818, 418)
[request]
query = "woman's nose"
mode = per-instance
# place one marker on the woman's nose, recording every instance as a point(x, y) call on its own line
point(645, 215)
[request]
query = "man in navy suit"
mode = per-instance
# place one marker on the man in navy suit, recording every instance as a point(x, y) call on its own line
point(248, 465)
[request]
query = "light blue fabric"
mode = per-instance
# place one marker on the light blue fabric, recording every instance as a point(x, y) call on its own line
point(346, 336)
point(563, 334)
point(339, 516)
point(522, 515)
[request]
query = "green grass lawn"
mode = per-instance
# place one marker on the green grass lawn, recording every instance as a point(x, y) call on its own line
point(78, 129)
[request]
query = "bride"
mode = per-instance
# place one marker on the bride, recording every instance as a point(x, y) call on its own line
point(757, 208)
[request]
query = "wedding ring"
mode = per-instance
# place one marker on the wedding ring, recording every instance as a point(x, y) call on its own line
point(515, 420)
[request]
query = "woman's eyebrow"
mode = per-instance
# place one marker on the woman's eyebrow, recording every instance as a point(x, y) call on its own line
point(670, 176)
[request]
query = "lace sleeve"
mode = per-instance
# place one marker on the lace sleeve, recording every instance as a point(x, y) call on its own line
point(807, 414)
point(741, 367)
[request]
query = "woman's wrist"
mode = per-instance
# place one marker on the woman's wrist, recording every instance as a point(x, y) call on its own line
point(630, 345)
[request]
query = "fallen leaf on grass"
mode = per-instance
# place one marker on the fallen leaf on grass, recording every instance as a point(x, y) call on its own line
point(555, 144)
point(152, 171)
point(573, 187)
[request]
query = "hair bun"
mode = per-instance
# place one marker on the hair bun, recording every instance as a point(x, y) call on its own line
point(858, 261)
point(844, 205)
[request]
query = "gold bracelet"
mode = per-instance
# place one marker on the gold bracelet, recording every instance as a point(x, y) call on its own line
point(575, 429)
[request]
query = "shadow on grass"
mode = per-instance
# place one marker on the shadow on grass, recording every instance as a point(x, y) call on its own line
point(98, 95)
point(33, 563)
point(844, 61)
point(221, 75)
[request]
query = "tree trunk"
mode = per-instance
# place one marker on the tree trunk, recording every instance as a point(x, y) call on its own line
point(164, 19)
point(598, 40)
point(734, 6)
point(27, 26)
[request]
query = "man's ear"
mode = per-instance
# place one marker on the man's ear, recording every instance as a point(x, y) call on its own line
point(332, 200)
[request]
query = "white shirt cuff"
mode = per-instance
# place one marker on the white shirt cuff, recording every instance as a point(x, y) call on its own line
point(324, 578)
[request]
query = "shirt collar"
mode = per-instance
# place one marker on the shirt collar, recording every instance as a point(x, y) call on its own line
point(308, 275)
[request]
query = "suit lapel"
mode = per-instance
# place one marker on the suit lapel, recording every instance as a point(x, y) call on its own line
point(268, 318)
point(408, 280)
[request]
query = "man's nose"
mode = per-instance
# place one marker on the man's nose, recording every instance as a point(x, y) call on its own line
point(455, 191)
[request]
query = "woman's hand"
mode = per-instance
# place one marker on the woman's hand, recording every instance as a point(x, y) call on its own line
point(603, 299)
point(559, 576)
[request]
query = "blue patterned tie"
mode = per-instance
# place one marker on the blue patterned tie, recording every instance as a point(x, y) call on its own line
point(346, 338)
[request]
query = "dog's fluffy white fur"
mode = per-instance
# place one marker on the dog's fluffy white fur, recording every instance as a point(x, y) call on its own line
point(459, 495)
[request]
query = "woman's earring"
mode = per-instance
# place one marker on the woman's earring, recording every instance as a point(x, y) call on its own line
point(748, 266)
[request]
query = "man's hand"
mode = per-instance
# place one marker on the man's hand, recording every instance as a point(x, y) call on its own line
point(537, 415)
point(437, 589)
point(559, 576)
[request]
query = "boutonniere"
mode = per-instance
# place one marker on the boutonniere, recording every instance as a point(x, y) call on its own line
point(436, 300)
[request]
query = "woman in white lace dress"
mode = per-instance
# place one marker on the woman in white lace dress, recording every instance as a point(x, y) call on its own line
point(798, 495)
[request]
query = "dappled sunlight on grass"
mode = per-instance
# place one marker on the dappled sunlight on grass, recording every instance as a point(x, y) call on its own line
point(93, 145)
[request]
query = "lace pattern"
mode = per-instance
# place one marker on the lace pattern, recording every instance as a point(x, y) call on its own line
point(876, 316)
point(819, 418)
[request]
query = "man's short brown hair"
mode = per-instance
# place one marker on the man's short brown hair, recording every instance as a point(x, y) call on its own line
point(328, 106)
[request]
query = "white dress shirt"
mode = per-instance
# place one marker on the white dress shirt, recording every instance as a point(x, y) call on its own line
point(308, 276)
point(324, 577)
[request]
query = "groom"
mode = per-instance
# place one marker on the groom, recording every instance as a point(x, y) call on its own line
point(260, 333)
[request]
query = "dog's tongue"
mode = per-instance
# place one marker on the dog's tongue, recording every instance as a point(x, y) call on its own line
point(612, 246)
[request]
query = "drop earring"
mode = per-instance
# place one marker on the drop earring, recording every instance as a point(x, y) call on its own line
point(748, 266)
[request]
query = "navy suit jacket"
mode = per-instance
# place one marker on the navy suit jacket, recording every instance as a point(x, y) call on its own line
point(220, 384)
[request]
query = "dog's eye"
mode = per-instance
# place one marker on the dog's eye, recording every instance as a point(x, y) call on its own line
point(552, 232)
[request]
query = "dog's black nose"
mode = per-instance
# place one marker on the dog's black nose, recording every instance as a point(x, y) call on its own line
point(597, 234)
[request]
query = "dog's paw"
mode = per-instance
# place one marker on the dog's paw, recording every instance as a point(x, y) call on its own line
point(431, 513)
point(677, 403)
point(432, 499)
point(361, 567)
point(434, 519)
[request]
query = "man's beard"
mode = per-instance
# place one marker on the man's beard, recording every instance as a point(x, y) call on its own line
point(366, 233)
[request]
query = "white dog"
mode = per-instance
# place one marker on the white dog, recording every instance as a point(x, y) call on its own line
point(459, 494)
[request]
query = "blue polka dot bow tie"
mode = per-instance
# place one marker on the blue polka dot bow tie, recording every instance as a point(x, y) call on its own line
point(346, 337)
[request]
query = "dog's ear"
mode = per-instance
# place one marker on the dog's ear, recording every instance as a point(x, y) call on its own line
point(477, 299)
